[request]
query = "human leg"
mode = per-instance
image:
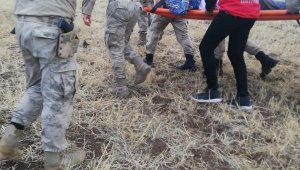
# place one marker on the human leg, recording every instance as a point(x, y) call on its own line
point(182, 36)
point(236, 47)
point(222, 25)
point(58, 89)
point(155, 32)
point(142, 69)
point(30, 106)
point(143, 26)
point(117, 19)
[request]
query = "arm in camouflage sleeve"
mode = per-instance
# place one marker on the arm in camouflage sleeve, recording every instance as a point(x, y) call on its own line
point(88, 6)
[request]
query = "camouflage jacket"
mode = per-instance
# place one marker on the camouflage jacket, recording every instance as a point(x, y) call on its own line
point(62, 8)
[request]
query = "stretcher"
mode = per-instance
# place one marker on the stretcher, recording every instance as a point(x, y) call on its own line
point(200, 14)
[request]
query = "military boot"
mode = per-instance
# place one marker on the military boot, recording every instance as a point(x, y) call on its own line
point(141, 70)
point(9, 144)
point(119, 88)
point(142, 38)
point(189, 64)
point(267, 63)
point(149, 59)
point(62, 161)
point(219, 64)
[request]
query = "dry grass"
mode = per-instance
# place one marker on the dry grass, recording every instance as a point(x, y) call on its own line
point(158, 126)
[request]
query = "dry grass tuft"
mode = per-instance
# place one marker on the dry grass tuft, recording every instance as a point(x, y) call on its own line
point(158, 126)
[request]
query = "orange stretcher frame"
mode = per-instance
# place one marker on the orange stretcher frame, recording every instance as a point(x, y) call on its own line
point(200, 14)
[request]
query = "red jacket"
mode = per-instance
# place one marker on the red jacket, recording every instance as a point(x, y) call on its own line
point(241, 8)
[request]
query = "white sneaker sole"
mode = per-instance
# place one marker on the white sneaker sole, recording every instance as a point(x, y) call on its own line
point(244, 108)
point(218, 100)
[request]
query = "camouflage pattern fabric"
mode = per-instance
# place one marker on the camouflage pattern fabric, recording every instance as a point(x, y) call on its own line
point(252, 48)
point(121, 16)
point(143, 18)
point(50, 83)
point(157, 27)
point(59, 8)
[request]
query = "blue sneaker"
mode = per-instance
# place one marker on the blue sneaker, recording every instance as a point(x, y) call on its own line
point(211, 96)
point(244, 103)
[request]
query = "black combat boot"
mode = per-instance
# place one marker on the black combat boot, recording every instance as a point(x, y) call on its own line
point(267, 63)
point(189, 64)
point(149, 59)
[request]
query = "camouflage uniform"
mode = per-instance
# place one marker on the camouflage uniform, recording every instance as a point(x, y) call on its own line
point(157, 27)
point(50, 79)
point(143, 18)
point(252, 48)
point(121, 17)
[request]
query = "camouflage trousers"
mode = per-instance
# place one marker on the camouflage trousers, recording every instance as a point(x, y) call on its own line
point(251, 48)
point(121, 16)
point(50, 82)
point(143, 18)
point(157, 27)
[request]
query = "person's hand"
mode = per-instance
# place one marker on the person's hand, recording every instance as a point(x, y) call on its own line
point(87, 19)
point(209, 12)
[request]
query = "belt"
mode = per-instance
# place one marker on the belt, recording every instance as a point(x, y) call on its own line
point(50, 20)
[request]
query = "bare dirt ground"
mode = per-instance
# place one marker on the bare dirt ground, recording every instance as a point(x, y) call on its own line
point(159, 126)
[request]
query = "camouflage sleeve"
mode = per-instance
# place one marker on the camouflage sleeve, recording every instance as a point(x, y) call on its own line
point(88, 6)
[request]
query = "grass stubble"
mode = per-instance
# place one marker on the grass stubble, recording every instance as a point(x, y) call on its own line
point(159, 126)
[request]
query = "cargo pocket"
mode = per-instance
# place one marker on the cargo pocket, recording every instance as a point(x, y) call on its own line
point(119, 10)
point(109, 34)
point(45, 42)
point(66, 70)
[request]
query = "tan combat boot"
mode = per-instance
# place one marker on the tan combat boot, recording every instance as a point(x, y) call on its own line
point(119, 88)
point(63, 161)
point(142, 70)
point(142, 39)
point(9, 144)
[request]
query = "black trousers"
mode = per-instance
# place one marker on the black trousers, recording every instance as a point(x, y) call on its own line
point(238, 30)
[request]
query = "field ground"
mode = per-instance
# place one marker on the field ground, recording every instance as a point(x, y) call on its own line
point(159, 126)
